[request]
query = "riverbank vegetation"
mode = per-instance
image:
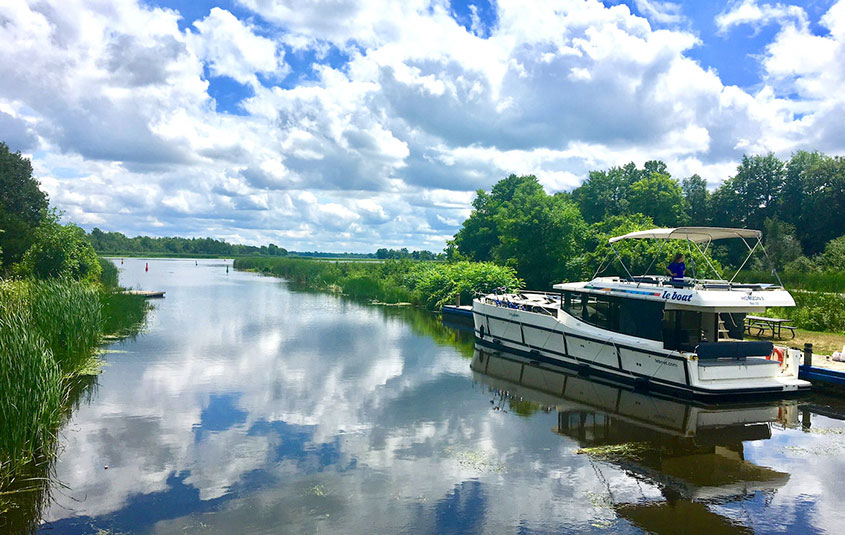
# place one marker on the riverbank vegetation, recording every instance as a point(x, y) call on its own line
point(792, 202)
point(428, 284)
point(58, 301)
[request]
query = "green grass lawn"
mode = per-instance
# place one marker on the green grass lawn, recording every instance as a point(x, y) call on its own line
point(823, 343)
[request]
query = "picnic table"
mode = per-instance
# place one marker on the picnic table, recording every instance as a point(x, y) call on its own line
point(763, 324)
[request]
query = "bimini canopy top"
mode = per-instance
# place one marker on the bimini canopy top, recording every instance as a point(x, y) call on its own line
point(693, 234)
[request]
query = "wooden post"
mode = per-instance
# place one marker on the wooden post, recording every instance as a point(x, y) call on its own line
point(808, 354)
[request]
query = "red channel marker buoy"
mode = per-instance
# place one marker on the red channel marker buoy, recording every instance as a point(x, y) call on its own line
point(147, 266)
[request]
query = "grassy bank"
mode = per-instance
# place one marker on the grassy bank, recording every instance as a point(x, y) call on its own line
point(819, 301)
point(823, 281)
point(814, 311)
point(49, 335)
point(428, 284)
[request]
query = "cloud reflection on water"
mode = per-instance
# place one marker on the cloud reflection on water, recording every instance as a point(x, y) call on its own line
point(248, 407)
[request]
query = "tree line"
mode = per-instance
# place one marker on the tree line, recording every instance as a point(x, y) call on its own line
point(796, 203)
point(116, 243)
point(403, 253)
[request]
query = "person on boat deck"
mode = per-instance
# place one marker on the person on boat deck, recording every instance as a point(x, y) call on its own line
point(677, 268)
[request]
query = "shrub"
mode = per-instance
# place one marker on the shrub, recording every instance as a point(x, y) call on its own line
point(60, 251)
point(431, 284)
point(109, 275)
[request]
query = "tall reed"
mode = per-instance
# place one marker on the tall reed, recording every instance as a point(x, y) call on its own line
point(123, 314)
point(67, 314)
point(31, 391)
point(49, 332)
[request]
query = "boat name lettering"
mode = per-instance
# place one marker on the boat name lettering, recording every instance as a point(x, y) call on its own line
point(751, 298)
point(675, 296)
point(666, 362)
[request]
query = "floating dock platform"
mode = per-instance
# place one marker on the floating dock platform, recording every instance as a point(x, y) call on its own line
point(458, 316)
point(823, 370)
point(145, 293)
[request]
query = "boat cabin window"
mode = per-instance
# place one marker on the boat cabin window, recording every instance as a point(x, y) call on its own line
point(635, 317)
point(682, 329)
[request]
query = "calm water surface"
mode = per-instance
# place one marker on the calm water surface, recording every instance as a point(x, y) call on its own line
point(249, 407)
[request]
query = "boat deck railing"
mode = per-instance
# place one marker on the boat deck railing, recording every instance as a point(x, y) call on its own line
point(698, 284)
point(528, 300)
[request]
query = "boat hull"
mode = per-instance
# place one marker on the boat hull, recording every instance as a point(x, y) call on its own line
point(563, 341)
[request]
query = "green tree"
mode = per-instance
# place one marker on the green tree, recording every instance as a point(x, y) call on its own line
point(660, 197)
point(478, 235)
point(60, 251)
point(22, 205)
point(833, 257)
point(540, 236)
point(697, 199)
point(823, 204)
point(781, 242)
point(753, 194)
point(795, 186)
point(605, 193)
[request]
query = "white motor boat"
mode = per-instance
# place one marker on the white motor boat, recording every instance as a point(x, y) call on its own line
point(684, 336)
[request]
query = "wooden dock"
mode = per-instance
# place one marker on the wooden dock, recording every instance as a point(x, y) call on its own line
point(145, 293)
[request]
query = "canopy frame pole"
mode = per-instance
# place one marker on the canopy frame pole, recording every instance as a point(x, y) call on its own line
point(691, 260)
point(653, 260)
point(612, 248)
point(771, 263)
point(601, 266)
point(747, 258)
point(709, 263)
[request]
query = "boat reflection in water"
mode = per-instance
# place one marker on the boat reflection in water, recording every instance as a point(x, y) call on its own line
point(692, 453)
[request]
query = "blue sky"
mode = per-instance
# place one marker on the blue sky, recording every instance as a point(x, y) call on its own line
point(352, 125)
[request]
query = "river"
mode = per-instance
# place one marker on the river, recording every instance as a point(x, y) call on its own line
point(248, 406)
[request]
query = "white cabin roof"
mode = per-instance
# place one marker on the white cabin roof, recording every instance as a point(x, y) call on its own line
point(700, 298)
point(693, 234)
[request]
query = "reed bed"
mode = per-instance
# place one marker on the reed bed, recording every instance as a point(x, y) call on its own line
point(429, 284)
point(49, 333)
point(122, 315)
point(68, 316)
point(31, 392)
